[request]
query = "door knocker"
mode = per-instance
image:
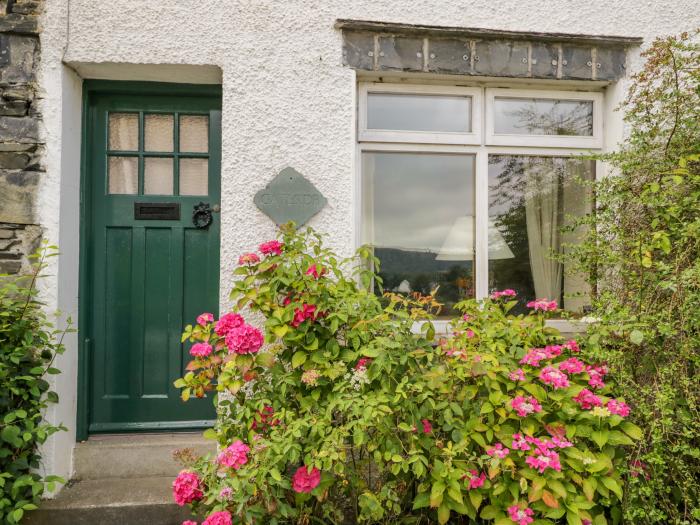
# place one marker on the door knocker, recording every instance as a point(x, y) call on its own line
point(201, 216)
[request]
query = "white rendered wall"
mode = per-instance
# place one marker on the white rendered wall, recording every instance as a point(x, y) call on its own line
point(287, 100)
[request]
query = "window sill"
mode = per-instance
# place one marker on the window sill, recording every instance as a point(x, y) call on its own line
point(565, 326)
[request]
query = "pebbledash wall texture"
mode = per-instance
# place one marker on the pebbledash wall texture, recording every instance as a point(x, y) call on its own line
point(288, 100)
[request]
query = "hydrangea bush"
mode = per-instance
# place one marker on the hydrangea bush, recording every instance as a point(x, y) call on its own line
point(339, 411)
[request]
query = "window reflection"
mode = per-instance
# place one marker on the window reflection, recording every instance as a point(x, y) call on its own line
point(532, 201)
point(419, 112)
point(419, 211)
point(539, 116)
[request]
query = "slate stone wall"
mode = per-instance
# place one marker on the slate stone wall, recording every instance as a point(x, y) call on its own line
point(20, 144)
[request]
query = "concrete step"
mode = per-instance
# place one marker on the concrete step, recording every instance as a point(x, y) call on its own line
point(114, 501)
point(134, 455)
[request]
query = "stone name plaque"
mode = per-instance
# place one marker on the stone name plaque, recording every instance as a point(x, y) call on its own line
point(290, 197)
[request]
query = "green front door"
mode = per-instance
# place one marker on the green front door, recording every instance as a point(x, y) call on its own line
point(152, 159)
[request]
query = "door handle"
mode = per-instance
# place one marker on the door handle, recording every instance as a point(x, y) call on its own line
point(202, 216)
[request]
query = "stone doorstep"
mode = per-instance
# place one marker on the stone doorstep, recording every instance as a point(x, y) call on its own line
point(134, 455)
point(115, 501)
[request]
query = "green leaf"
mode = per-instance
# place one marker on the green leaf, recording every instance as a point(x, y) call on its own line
point(443, 514)
point(275, 474)
point(298, 359)
point(614, 486)
point(422, 500)
point(600, 437)
point(476, 498)
point(572, 518)
point(436, 493)
point(632, 430)
point(636, 337)
point(489, 512)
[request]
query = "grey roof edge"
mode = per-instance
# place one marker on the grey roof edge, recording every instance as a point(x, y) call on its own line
point(469, 32)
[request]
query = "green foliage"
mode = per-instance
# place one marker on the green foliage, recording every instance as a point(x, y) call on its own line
point(643, 259)
point(28, 347)
point(398, 425)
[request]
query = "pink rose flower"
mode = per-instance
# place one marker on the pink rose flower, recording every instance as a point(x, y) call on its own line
point(525, 406)
point(520, 516)
point(572, 345)
point(476, 480)
point(619, 408)
point(545, 459)
point(227, 322)
point(270, 248)
point(203, 319)
point(305, 481)
point(572, 366)
point(519, 443)
point(556, 378)
point(427, 426)
point(504, 293)
point(187, 488)
point(234, 456)
point(218, 518)
point(517, 375)
point(542, 305)
point(245, 339)
point(200, 350)
point(587, 399)
point(307, 311)
point(248, 258)
point(315, 272)
point(498, 451)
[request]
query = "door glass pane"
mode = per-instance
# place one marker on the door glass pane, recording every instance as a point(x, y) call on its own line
point(532, 201)
point(194, 133)
point(194, 176)
point(123, 175)
point(158, 176)
point(158, 131)
point(446, 113)
point(418, 212)
point(123, 131)
point(540, 116)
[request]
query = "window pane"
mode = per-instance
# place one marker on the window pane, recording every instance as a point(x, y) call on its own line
point(531, 199)
point(540, 116)
point(158, 176)
point(123, 175)
point(194, 176)
point(194, 134)
point(419, 215)
point(158, 130)
point(123, 131)
point(419, 112)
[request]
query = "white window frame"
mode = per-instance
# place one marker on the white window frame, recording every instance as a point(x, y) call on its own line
point(481, 150)
point(421, 137)
point(563, 141)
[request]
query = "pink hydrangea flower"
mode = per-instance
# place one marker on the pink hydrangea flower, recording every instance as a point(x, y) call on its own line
point(427, 426)
point(596, 375)
point(466, 317)
point(218, 518)
point(187, 488)
point(544, 460)
point(561, 442)
point(363, 362)
point(587, 399)
point(248, 258)
point(271, 247)
point(476, 480)
point(227, 323)
point(503, 293)
point(245, 339)
point(203, 319)
point(520, 516)
point(315, 272)
point(534, 356)
point(556, 378)
point(619, 408)
point(234, 456)
point(525, 406)
point(200, 350)
point(572, 345)
point(305, 481)
point(498, 451)
point(572, 365)
point(543, 305)
point(469, 333)
point(189, 522)
point(307, 311)
point(226, 493)
point(519, 443)
point(553, 350)
point(310, 377)
point(517, 375)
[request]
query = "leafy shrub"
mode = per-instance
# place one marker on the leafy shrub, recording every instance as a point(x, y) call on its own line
point(348, 415)
point(28, 346)
point(643, 258)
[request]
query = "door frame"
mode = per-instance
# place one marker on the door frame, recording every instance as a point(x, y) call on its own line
point(91, 88)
